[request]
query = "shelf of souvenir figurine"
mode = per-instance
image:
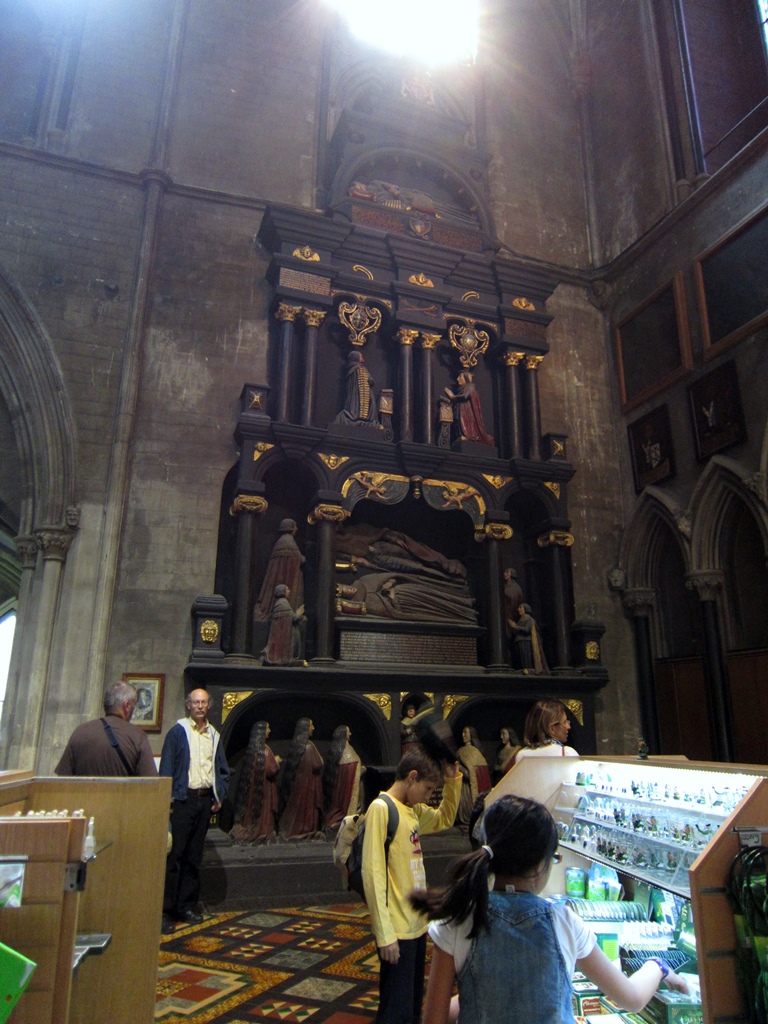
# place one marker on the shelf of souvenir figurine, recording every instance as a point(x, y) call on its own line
point(690, 789)
point(661, 863)
point(691, 827)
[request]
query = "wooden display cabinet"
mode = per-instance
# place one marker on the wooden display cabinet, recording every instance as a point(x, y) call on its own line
point(122, 895)
point(720, 798)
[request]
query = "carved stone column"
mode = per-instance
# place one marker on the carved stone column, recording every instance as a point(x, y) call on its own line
point(287, 315)
point(247, 508)
point(312, 318)
point(428, 344)
point(54, 543)
point(639, 602)
point(326, 516)
point(708, 584)
point(532, 410)
point(21, 655)
point(406, 336)
point(514, 424)
point(495, 533)
point(556, 542)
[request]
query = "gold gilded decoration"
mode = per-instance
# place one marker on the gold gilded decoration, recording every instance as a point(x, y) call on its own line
point(523, 303)
point(374, 484)
point(386, 402)
point(558, 448)
point(592, 650)
point(306, 253)
point(554, 487)
point(421, 280)
point(360, 269)
point(498, 531)
point(231, 700)
point(430, 341)
point(406, 336)
point(303, 282)
point(576, 707)
point(364, 298)
point(512, 358)
point(429, 309)
point(470, 295)
point(470, 341)
point(497, 481)
point(456, 494)
point(533, 362)
point(383, 702)
point(286, 312)
point(209, 631)
point(249, 503)
point(451, 701)
point(313, 317)
point(559, 537)
point(328, 513)
point(333, 461)
point(359, 320)
point(255, 402)
point(260, 449)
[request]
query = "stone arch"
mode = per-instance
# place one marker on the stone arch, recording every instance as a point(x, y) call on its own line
point(33, 388)
point(722, 482)
point(653, 514)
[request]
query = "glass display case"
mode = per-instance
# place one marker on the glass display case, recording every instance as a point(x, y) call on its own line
point(667, 822)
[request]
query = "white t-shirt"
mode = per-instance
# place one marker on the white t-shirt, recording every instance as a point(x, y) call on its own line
point(548, 750)
point(576, 939)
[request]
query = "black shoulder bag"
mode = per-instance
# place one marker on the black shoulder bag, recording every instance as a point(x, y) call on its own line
point(113, 740)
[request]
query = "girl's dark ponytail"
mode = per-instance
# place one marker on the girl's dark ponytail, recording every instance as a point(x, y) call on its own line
point(465, 895)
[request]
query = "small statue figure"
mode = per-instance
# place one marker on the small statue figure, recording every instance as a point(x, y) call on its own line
point(284, 566)
point(527, 643)
point(284, 642)
point(642, 750)
point(256, 797)
point(506, 753)
point(475, 775)
point(407, 735)
point(341, 779)
point(301, 787)
point(359, 404)
point(513, 598)
point(468, 416)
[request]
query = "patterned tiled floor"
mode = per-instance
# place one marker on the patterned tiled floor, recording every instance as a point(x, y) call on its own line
point(298, 964)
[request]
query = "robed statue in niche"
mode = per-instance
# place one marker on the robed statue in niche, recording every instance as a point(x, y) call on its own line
point(359, 400)
point(284, 568)
point(468, 415)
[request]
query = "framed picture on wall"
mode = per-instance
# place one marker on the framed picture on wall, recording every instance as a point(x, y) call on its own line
point(148, 713)
point(732, 286)
point(716, 412)
point(653, 348)
point(650, 446)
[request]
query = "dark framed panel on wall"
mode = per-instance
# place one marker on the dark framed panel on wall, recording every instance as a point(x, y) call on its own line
point(653, 345)
point(651, 449)
point(148, 713)
point(716, 411)
point(732, 285)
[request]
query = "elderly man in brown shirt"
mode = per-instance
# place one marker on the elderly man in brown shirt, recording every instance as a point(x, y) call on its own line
point(109, 745)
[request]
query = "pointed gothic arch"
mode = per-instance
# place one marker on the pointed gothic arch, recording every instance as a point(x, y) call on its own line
point(722, 482)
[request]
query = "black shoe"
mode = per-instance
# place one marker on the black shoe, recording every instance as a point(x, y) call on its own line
point(190, 917)
point(168, 926)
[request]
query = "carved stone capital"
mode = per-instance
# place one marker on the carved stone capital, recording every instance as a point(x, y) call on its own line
point(407, 336)
point(430, 341)
point(617, 578)
point(249, 503)
point(498, 531)
point(287, 312)
point(328, 514)
point(313, 317)
point(72, 517)
point(756, 484)
point(533, 362)
point(706, 582)
point(27, 548)
point(510, 358)
point(559, 537)
point(639, 601)
point(54, 543)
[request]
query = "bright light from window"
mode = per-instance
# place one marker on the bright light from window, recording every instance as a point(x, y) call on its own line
point(7, 628)
point(430, 31)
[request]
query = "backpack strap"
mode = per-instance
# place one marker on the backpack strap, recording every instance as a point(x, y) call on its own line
point(113, 740)
point(393, 820)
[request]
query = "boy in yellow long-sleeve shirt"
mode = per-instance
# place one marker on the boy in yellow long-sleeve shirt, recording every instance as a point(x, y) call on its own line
point(399, 930)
